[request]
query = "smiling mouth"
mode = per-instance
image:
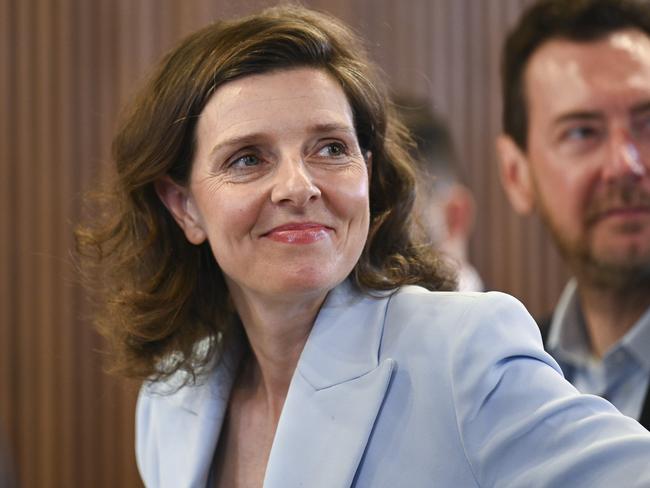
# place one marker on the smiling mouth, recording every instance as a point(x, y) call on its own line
point(307, 233)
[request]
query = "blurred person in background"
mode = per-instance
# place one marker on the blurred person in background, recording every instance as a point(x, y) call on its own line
point(576, 148)
point(444, 205)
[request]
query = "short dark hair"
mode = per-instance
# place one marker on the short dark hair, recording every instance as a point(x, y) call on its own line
point(160, 296)
point(574, 20)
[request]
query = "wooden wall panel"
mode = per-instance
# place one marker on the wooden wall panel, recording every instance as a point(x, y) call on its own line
point(65, 68)
point(8, 358)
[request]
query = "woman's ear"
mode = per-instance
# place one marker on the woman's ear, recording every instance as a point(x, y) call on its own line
point(515, 175)
point(181, 205)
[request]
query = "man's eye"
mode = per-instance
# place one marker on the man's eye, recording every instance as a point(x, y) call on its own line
point(580, 133)
point(333, 149)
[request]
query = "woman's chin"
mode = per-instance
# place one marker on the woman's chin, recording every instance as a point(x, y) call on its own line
point(306, 285)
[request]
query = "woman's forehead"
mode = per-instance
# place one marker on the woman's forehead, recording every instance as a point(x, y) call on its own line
point(287, 99)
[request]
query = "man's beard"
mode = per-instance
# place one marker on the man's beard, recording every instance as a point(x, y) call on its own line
point(628, 273)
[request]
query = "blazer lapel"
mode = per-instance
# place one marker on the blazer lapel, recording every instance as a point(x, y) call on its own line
point(334, 397)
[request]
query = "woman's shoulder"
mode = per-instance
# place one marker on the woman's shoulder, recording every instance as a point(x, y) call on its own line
point(410, 299)
point(455, 317)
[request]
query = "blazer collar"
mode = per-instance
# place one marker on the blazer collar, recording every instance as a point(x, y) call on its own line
point(343, 345)
point(334, 396)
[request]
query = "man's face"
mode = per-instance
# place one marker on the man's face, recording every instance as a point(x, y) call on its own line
point(588, 152)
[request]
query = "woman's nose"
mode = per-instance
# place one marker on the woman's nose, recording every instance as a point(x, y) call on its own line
point(293, 184)
point(626, 159)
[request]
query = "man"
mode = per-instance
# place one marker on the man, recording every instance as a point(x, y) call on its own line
point(576, 147)
point(444, 205)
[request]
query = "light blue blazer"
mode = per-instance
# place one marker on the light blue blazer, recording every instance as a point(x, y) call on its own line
point(414, 389)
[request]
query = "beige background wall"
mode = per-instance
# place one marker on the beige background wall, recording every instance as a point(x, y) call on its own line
point(65, 67)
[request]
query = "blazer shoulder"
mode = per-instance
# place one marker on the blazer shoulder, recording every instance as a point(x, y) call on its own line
point(452, 317)
point(411, 300)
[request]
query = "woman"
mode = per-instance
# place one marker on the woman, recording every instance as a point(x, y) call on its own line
point(257, 269)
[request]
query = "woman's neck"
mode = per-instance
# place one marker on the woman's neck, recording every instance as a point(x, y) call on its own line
point(277, 331)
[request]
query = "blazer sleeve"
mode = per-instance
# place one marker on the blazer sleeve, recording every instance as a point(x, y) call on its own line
point(521, 423)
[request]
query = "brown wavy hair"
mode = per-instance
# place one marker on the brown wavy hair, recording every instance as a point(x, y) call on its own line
point(159, 295)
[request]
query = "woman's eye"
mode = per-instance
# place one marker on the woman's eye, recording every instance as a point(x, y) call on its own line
point(332, 150)
point(245, 161)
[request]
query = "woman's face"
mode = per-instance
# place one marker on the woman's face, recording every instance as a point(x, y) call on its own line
point(279, 185)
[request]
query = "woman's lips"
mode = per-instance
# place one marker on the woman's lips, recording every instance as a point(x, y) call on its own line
point(306, 233)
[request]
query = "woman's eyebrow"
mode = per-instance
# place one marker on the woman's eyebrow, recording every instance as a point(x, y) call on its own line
point(244, 140)
point(332, 127)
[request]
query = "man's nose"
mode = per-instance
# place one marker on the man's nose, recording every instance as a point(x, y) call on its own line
point(293, 183)
point(626, 159)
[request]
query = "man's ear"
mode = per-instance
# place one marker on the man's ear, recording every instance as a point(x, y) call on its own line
point(181, 205)
point(516, 177)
